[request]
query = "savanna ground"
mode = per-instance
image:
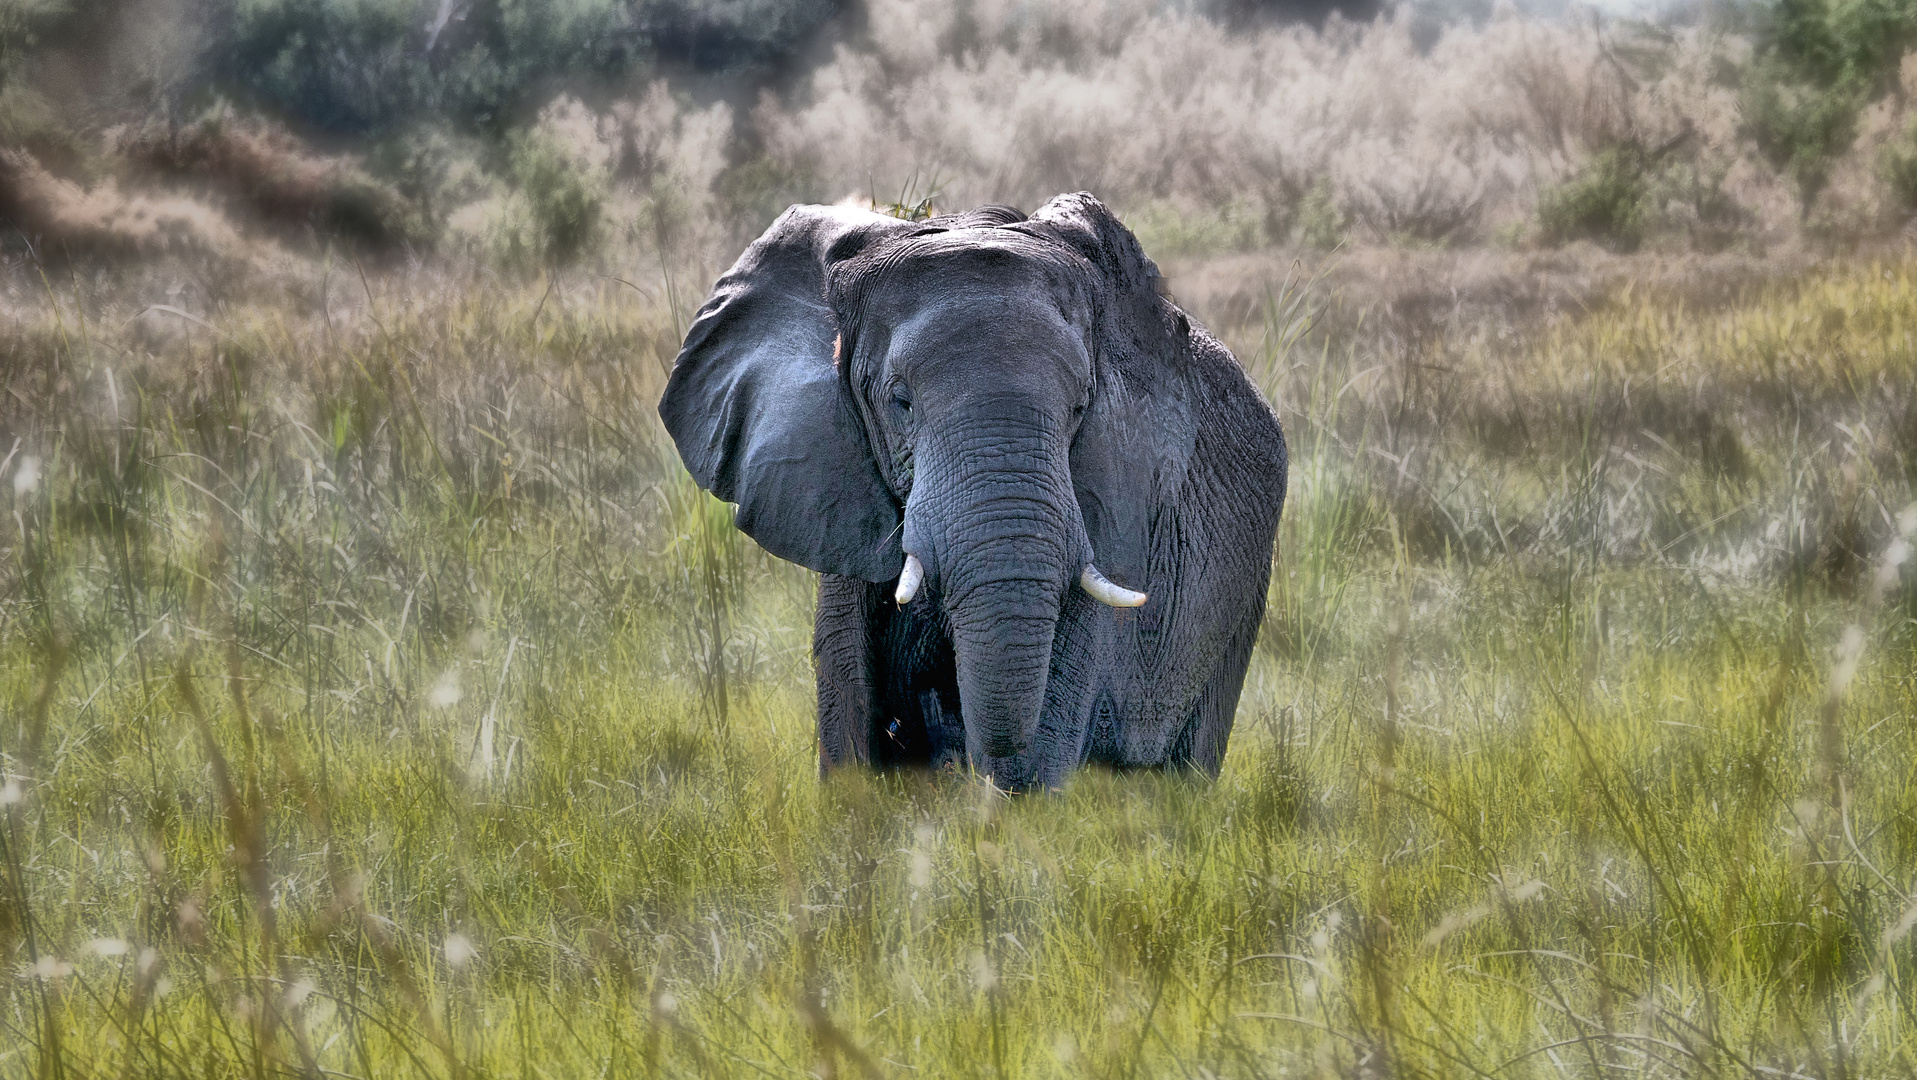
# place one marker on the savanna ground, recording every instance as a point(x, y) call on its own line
point(381, 699)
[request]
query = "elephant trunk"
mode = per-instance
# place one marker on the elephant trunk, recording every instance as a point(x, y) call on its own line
point(1002, 641)
point(1000, 532)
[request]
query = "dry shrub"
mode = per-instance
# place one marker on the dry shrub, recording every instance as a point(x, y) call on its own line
point(1155, 108)
point(644, 169)
point(275, 176)
point(61, 215)
point(1145, 106)
point(666, 158)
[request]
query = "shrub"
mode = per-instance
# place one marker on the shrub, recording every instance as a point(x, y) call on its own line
point(555, 215)
point(1801, 127)
point(1433, 205)
point(1320, 225)
point(1145, 103)
point(1169, 230)
point(62, 216)
point(435, 171)
point(1897, 163)
point(367, 66)
point(29, 119)
point(753, 192)
point(22, 24)
point(1818, 63)
point(1605, 201)
point(353, 66)
point(1689, 197)
point(733, 34)
point(278, 178)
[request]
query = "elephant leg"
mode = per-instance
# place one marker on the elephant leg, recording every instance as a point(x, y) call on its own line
point(1201, 743)
point(844, 657)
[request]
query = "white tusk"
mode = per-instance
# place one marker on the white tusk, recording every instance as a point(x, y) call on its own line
point(1104, 591)
point(909, 579)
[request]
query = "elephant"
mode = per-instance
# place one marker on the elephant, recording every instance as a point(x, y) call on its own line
point(1042, 500)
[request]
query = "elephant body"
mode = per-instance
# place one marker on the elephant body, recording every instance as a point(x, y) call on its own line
point(999, 401)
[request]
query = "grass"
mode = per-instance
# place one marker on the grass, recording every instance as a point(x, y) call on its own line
point(381, 699)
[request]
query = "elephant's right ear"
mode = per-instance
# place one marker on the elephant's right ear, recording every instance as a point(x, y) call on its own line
point(760, 413)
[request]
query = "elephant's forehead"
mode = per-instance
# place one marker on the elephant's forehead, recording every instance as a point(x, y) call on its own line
point(972, 259)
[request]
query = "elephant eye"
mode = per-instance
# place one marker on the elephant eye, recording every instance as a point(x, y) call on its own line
point(902, 402)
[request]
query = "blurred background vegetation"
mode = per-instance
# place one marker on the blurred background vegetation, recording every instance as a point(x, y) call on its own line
point(525, 134)
point(379, 697)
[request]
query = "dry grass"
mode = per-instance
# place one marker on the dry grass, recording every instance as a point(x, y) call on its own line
point(103, 218)
point(270, 175)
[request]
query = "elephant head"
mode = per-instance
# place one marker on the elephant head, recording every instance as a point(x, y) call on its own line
point(969, 405)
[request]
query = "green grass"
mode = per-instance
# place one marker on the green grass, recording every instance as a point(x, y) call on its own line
point(378, 698)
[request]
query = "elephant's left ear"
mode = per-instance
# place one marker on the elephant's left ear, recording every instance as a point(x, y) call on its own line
point(1135, 443)
point(760, 413)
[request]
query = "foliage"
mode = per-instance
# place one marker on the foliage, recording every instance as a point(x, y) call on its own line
point(349, 66)
point(1801, 126)
point(1606, 201)
point(1897, 161)
point(1828, 41)
point(278, 179)
point(1171, 231)
point(434, 169)
point(1375, 133)
point(731, 35)
point(28, 119)
point(1320, 225)
point(383, 700)
point(1819, 62)
point(22, 24)
point(555, 214)
point(366, 66)
point(753, 192)
point(1689, 196)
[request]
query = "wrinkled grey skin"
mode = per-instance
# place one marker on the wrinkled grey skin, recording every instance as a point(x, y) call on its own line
point(1006, 398)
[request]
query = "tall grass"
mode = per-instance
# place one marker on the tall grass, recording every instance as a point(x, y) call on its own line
point(381, 699)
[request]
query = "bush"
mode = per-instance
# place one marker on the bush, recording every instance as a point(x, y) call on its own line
point(351, 66)
point(279, 179)
point(1607, 201)
point(1801, 127)
point(731, 34)
point(1168, 230)
point(555, 215)
point(1320, 225)
point(22, 24)
point(1435, 206)
point(1897, 163)
point(367, 66)
point(434, 169)
point(59, 215)
point(30, 119)
point(1819, 62)
point(1689, 197)
point(752, 193)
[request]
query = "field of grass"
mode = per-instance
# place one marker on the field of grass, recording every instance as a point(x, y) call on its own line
point(378, 698)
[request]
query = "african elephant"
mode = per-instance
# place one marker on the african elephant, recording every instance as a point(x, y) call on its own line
point(973, 427)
